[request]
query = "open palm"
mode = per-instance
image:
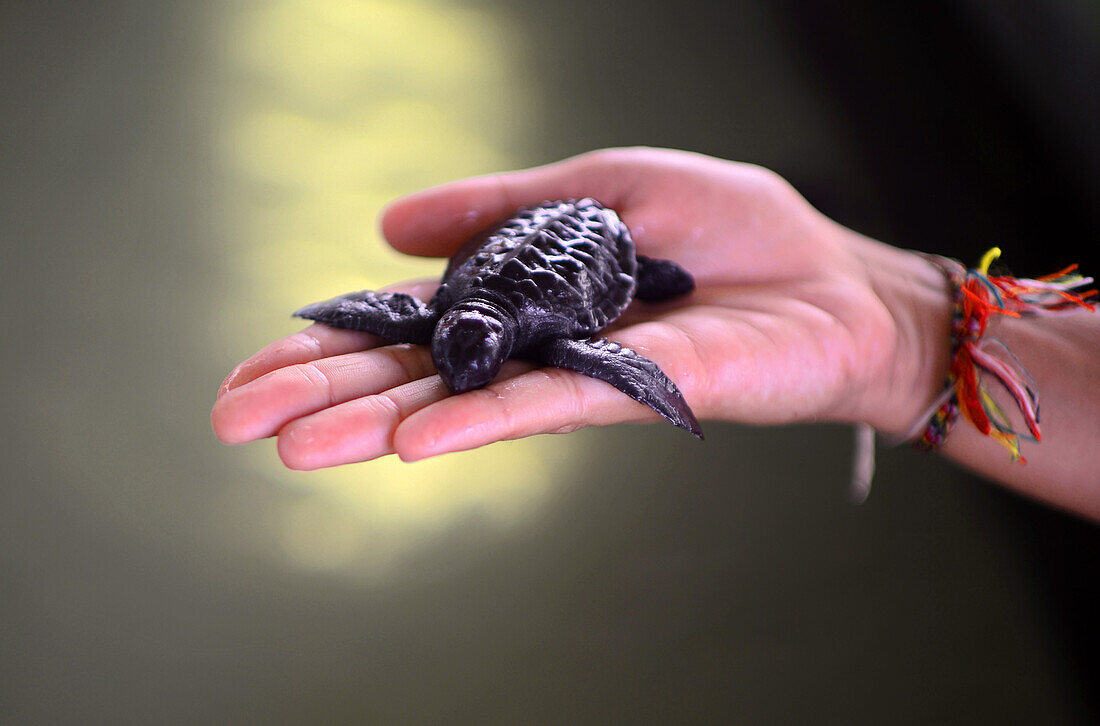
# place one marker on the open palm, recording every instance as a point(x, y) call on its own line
point(785, 323)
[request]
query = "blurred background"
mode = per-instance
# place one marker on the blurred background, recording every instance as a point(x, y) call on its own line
point(178, 176)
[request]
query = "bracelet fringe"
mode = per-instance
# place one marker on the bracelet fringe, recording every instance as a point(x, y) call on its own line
point(979, 296)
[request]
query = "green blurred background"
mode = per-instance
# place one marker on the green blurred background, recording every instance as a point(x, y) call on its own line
point(178, 176)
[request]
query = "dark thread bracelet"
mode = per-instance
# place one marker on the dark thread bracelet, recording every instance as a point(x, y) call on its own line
point(943, 419)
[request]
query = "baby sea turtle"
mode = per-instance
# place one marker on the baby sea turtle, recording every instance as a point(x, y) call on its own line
point(536, 287)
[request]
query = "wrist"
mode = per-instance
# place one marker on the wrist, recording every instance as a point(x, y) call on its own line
point(912, 372)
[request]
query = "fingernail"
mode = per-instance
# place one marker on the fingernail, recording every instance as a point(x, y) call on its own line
point(228, 382)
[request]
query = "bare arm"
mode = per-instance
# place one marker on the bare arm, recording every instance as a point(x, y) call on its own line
point(794, 318)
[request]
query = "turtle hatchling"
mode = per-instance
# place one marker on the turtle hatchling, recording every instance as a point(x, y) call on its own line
point(536, 287)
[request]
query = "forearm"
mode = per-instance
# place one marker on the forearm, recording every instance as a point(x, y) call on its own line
point(1060, 352)
point(1064, 469)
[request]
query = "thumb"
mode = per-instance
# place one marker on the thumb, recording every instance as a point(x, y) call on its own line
point(435, 222)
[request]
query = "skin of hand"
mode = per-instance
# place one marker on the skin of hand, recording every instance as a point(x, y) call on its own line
point(794, 318)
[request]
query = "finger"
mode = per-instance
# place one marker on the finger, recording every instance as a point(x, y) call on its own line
point(315, 342)
point(260, 408)
point(361, 429)
point(357, 430)
point(436, 221)
point(547, 400)
point(312, 343)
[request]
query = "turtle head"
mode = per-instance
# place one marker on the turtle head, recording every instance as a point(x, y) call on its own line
point(471, 343)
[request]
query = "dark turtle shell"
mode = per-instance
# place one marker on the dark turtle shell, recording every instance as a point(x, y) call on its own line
point(538, 286)
point(563, 269)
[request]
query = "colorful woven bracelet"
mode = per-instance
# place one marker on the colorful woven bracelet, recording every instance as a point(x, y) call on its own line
point(978, 296)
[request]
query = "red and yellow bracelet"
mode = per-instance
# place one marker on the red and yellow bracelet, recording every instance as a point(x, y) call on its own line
point(979, 296)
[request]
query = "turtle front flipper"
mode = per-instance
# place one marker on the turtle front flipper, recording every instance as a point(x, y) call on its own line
point(634, 375)
point(391, 315)
point(661, 279)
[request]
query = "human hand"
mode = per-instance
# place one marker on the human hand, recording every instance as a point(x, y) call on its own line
point(794, 318)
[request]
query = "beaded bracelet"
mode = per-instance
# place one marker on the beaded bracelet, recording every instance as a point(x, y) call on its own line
point(978, 296)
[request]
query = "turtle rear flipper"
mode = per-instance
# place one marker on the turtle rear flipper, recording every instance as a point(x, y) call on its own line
point(391, 315)
point(661, 279)
point(634, 375)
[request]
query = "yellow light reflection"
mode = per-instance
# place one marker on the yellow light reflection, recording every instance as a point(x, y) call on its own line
point(364, 517)
point(332, 109)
